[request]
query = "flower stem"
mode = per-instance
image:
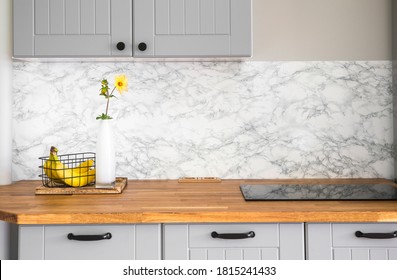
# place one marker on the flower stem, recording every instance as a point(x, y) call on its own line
point(108, 98)
point(107, 106)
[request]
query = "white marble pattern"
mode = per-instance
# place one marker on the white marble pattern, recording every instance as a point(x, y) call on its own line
point(226, 119)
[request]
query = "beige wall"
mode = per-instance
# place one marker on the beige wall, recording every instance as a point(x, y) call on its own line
point(322, 29)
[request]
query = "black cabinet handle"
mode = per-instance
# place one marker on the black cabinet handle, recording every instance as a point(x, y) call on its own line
point(142, 47)
point(250, 234)
point(377, 235)
point(120, 46)
point(98, 237)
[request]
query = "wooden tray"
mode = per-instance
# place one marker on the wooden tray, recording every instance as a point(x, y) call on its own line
point(121, 183)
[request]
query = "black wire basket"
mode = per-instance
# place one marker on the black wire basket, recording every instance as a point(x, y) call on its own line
point(70, 170)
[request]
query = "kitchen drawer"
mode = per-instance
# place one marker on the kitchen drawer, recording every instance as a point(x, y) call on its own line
point(126, 242)
point(271, 241)
point(266, 235)
point(343, 235)
point(58, 246)
point(337, 241)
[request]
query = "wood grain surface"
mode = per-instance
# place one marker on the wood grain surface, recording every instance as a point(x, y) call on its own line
point(167, 201)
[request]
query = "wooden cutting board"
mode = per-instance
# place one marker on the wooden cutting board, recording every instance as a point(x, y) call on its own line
point(120, 184)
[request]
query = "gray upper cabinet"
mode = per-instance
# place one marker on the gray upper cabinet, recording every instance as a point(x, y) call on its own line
point(72, 28)
point(192, 28)
point(139, 28)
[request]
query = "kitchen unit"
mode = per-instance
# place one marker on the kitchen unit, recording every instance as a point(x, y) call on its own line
point(138, 28)
point(285, 106)
point(170, 220)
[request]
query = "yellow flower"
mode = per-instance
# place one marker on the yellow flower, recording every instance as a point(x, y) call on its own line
point(121, 83)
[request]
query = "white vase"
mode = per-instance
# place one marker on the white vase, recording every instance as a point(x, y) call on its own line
point(105, 161)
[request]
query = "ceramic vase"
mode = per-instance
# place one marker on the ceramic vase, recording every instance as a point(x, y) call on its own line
point(105, 161)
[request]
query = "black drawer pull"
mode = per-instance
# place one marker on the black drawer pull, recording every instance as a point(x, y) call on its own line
point(377, 235)
point(98, 237)
point(250, 234)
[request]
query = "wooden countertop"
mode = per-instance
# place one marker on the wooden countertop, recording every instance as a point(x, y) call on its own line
point(167, 201)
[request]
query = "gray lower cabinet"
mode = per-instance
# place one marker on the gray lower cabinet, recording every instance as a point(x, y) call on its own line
point(251, 241)
point(223, 241)
point(74, 242)
point(72, 28)
point(192, 28)
point(351, 241)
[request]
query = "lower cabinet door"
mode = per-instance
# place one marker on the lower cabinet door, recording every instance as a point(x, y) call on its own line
point(92, 242)
point(352, 241)
point(251, 241)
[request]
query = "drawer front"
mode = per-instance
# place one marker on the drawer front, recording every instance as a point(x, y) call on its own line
point(120, 246)
point(266, 235)
point(51, 242)
point(271, 242)
point(343, 235)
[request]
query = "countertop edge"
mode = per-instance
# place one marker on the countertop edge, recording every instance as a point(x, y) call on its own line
point(207, 217)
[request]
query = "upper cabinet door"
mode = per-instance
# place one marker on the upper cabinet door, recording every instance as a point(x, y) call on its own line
point(192, 28)
point(72, 28)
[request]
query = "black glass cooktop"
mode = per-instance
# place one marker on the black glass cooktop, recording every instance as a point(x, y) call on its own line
point(319, 192)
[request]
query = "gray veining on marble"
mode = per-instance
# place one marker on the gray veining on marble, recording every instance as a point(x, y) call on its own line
point(319, 192)
point(224, 119)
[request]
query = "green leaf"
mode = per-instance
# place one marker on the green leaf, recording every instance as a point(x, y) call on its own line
point(104, 117)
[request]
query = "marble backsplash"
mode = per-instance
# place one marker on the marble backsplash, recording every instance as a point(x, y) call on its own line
point(226, 119)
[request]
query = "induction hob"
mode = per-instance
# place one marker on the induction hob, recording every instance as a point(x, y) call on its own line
point(319, 192)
